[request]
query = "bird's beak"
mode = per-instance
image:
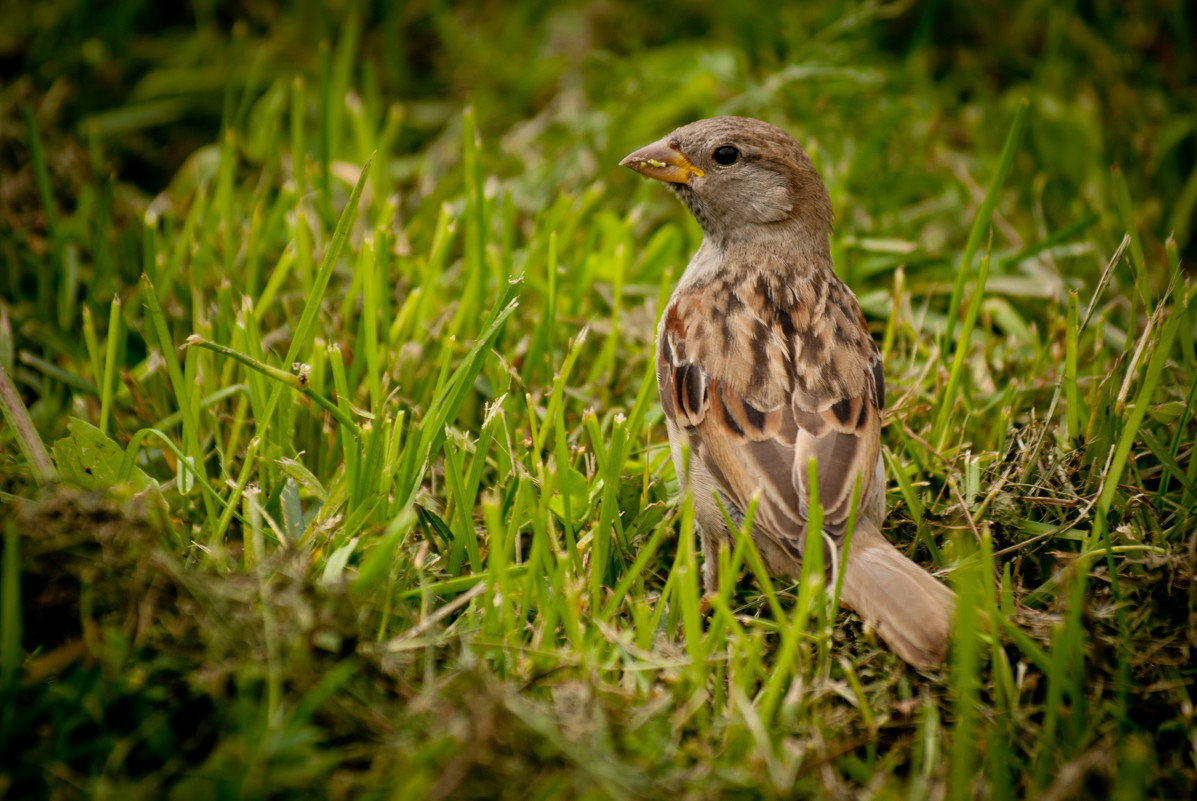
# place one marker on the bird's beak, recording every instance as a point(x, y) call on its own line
point(662, 161)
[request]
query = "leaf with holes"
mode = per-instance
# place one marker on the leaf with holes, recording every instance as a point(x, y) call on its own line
point(90, 459)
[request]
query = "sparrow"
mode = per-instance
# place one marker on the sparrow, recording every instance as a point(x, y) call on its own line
point(764, 362)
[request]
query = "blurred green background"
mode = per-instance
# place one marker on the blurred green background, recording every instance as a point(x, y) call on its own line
point(563, 89)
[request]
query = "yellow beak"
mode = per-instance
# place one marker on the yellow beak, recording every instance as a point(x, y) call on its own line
point(662, 161)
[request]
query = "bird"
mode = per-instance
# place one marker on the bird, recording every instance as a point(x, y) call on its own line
point(764, 361)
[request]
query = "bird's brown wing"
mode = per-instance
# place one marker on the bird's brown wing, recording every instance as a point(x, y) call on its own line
point(759, 380)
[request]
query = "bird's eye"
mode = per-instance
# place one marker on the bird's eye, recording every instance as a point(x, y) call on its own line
point(726, 154)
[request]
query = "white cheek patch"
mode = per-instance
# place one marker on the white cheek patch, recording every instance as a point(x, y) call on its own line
point(765, 198)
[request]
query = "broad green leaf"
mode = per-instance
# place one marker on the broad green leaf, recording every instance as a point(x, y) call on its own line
point(90, 459)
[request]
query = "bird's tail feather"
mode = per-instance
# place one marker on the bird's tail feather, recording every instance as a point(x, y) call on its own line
point(908, 607)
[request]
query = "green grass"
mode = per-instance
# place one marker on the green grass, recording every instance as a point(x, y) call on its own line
point(332, 462)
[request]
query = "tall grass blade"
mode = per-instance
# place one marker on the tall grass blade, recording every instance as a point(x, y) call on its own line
point(981, 222)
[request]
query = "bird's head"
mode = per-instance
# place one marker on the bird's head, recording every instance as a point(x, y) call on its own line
point(739, 177)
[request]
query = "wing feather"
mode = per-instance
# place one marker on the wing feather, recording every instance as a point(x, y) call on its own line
point(769, 395)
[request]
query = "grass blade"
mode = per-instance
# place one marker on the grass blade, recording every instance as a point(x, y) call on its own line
point(981, 222)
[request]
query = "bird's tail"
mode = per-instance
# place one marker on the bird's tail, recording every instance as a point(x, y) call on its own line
point(908, 607)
